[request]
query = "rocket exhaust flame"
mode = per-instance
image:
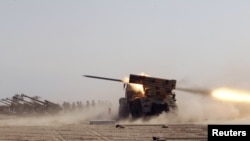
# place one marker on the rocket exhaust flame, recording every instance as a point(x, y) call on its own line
point(227, 94)
point(195, 91)
point(136, 87)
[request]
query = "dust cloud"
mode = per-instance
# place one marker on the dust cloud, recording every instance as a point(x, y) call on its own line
point(63, 118)
point(195, 106)
point(201, 109)
point(192, 108)
point(206, 109)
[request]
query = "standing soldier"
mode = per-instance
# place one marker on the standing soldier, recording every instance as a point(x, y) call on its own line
point(93, 103)
point(80, 105)
point(109, 111)
point(87, 104)
point(65, 106)
point(73, 106)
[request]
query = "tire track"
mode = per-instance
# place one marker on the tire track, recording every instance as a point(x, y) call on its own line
point(57, 136)
point(98, 134)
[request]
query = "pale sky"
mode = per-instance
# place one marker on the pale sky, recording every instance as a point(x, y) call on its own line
point(46, 46)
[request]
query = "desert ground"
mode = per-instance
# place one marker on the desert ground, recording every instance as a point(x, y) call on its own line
point(98, 123)
point(19, 129)
point(90, 125)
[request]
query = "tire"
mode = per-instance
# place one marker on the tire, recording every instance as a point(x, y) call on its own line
point(159, 108)
point(136, 109)
point(123, 109)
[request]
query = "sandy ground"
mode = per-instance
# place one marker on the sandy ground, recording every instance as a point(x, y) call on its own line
point(189, 124)
point(75, 126)
point(101, 132)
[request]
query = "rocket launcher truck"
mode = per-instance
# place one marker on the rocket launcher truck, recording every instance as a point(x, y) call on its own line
point(156, 97)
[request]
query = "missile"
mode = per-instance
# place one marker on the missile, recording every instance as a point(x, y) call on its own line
point(104, 78)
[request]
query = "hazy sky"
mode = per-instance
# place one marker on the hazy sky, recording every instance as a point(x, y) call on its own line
point(46, 46)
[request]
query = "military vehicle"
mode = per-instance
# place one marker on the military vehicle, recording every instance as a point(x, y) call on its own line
point(44, 106)
point(28, 106)
point(157, 96)
point(11, 105)
point(4, 109)
point(5, 103)
point(17, 106)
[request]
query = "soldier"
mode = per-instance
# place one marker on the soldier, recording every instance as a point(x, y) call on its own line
point(80, 105)
point(87, 104)
point(109, 110)
point(73, 106)
point(65, 106)
point(93, 103)
point(69, 106)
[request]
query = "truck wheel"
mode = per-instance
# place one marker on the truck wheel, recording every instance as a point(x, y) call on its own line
point(123, 109)
point(136, 109)
point(159, 108)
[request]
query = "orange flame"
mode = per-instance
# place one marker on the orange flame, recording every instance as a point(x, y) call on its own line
point(227, 94)
point(136, 87)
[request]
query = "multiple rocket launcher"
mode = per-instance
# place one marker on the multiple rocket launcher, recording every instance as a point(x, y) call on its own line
point(24, 104)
